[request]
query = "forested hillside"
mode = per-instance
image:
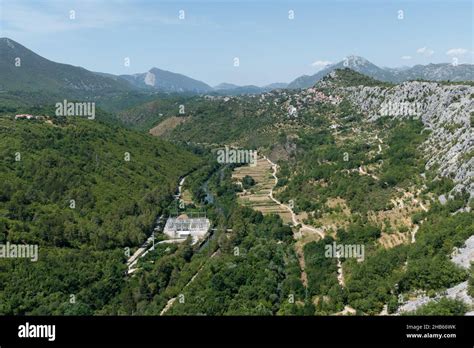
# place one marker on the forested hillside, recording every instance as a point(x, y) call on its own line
point(82, 190)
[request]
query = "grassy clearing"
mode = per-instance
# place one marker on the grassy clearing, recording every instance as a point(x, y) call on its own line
point(167, 125)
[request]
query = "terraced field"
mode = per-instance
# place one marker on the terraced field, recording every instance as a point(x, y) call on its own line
point(258, 196)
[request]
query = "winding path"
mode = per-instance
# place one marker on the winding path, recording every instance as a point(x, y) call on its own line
point(319, 231)
point(294, 219)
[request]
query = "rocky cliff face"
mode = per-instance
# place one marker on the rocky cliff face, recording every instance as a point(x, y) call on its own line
point(445, 109)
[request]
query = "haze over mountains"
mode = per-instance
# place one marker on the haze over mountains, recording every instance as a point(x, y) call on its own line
point(22, 69)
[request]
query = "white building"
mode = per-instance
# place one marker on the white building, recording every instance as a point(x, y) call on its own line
point(183, 226)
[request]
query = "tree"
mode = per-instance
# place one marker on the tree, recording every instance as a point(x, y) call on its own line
point(247, 182)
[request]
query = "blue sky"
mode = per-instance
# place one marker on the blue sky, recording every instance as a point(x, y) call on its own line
point(270, 46)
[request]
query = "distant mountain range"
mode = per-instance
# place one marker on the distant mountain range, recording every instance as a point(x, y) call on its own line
point(23, 70)
point(167, 81)
point(432, 72)
point(231, 89)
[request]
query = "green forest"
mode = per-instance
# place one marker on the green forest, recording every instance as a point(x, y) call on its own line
point(83, 191)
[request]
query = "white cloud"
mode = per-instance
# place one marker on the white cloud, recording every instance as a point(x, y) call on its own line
point(406, 57)
point(425, 51)
point(456, 52)
point(320, 63)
